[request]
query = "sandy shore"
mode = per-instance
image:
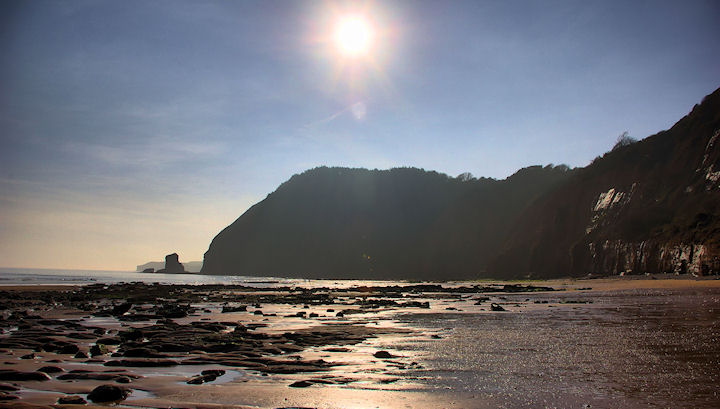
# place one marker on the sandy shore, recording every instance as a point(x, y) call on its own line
point(234, 346)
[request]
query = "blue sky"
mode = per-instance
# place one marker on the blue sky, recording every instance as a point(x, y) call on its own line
point(132, 129)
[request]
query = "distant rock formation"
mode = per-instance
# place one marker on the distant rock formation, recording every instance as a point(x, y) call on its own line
point(172, 264)
point(154, 265)
point(190, 266)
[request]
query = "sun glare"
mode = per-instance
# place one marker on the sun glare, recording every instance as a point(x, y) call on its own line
point(354, 36)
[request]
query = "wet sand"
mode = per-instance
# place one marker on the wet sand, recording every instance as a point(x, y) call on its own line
point(621, 342)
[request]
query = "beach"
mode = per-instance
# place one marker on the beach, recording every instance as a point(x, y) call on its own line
point(609, 342)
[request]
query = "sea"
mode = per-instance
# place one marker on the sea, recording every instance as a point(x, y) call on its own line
point(48, 276)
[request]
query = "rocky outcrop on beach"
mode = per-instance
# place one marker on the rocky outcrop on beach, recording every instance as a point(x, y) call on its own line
point(134, 331)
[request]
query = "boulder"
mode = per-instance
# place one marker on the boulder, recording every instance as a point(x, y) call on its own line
point(300, 384)
point(98, 349)
point(121, 309)
point(10, 375)
point(108, 393)
point(71, 400)
point(50, 369)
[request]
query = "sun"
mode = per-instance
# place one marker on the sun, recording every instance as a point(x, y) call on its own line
point(354, 36)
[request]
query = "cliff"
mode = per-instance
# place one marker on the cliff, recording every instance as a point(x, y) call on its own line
point(397, 224)
point(650, 206)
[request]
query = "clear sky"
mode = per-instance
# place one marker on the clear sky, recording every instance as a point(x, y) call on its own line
point(133, 129)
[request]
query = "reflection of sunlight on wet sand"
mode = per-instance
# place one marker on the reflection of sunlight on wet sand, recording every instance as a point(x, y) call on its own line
point(274, 396)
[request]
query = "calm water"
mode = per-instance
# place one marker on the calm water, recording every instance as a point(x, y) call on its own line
point(14, 276)
point(32, 276)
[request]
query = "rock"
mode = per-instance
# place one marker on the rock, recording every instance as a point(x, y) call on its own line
point(7, 397)
point(383, 355)
point(81, 354)
point(415, 304)
point(196, 380)
point(108, 393)
point(121, 309)
point(149, 270)
point(300, 384)
point(172, 264)
point(69, 349)
point(11, 375)
point(207, 375)
point(98, 349)
point(102, 376)
point(8, 388)
point(145, 363)
point(338, 349)
point(227, 308)
point(50, 369)
point(71, 400)
point(216, 372)
point(173, 311)
point(28, 356)
point(496, 307)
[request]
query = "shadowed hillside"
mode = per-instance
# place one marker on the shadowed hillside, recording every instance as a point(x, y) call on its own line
point(398, 223)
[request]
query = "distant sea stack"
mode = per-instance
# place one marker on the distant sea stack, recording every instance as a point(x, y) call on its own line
point(153, 266)
point(172, 265)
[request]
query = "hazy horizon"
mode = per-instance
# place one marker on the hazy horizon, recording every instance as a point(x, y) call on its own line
point(131, 130)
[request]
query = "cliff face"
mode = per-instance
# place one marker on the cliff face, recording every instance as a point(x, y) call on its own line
point(652, 206)
point(395, 224)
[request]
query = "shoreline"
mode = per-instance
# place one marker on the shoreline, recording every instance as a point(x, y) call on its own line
point(400, 344)
point(656, 281)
